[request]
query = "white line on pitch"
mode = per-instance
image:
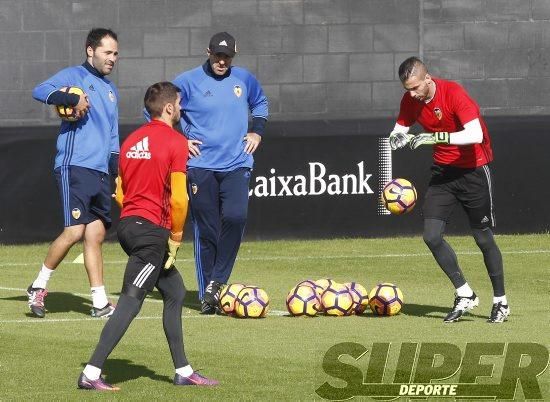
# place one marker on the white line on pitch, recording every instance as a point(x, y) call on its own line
point(276, 313)
point(314, 257)
point(46, 320)
point(148, 299)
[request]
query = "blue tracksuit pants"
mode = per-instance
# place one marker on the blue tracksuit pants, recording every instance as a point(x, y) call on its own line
point(219, 207)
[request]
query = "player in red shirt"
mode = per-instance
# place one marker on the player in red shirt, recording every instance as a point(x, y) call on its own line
point(460, 175)
point(151, 188)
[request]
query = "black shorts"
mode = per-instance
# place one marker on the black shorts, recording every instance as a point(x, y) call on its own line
point(85, 195)
point(471, 188)
point(145, 243)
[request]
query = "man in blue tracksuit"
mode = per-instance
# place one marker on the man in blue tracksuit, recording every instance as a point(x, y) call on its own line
point(216, 99)
point(87, 151)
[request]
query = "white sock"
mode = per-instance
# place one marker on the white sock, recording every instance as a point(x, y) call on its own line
point(99, 297)
point(500, 299)
point(464, 291)
point(43, 277)
point(185, 371)
point(92, 372)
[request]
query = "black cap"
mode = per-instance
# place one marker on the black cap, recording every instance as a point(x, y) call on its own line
point(224, 43)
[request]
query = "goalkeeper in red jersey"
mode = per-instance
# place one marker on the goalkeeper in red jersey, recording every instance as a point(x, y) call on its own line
point(461, 175)
point(151, 188)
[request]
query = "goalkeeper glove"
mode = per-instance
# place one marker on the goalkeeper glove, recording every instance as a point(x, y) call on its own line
point(173, 247)
point(399, 140)
point(440, 137)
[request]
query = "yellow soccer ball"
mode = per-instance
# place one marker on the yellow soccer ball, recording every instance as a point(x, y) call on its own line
point(337, 300)
point(303, 300)
point(324, 283)
point(399, 196)
point(360, 297)
point(385, 299)
point(228, 297)
point(252, 302)
point(311, 283)
point(67, 113)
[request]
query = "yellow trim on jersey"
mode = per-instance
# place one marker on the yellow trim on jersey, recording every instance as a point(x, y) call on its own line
point(119, 194)
point(178, 204)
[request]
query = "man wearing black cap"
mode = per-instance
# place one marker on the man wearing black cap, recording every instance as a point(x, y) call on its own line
point(217, 99)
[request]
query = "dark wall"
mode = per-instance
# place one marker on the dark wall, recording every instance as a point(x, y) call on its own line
point(316, 59)
point(30, 205)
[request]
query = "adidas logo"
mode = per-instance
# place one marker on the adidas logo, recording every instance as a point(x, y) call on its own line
point(140, 150)
point(485, 220)
point(223, 43)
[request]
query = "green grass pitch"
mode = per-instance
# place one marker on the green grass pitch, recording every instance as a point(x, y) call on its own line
point(275, 358)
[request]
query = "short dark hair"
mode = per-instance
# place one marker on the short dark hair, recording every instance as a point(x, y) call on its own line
point(95, 36)
point(158, 95)
point(411, 66)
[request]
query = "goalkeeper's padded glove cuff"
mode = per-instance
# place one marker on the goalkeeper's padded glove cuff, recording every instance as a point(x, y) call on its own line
point(442, 137)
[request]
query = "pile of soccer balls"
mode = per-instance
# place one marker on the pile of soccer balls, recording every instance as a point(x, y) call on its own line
point(244, 301)
point(308, 298)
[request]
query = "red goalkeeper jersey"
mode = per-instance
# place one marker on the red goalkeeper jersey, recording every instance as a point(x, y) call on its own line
point(449, 110)
point(147, 158)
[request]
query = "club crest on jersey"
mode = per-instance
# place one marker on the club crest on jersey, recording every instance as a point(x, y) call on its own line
point(238, 90)
point(194, 188)
point(112, 96)
point(76, 213)
point(438, 113)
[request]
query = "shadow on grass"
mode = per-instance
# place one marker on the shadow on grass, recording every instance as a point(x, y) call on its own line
point(122, 370)
point(191, 300)
point(437, 312)
point(60, 302)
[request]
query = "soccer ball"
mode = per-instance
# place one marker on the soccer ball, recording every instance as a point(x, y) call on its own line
point(228, 296)
point(324, 284)
point(252, 302)
point(308, 282)
point(385, 299)
point(399, 196)
point(67, 113)
point(360, 297)
point(303, 300)
point(337, 300)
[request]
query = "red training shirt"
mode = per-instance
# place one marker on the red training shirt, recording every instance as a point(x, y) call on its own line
point(147, 158)
point(450, 108)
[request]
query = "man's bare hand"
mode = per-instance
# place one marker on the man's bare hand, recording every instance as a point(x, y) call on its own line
point(82, 106)
point(194, 149)
point(252, 142)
